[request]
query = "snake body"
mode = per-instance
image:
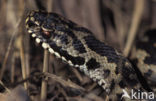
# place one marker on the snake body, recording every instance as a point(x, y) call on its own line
point(78, 47)
point(145, 58)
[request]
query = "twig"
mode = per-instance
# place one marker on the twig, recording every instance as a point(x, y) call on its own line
point(22, 56)
point(63, 82)
point(137, 14)
point(49, 5)
point(45, 69)
point(22, 51)
point(5, 87)
point(9, 48)
point(46, 63)
point(12, 68)
point(78, 75)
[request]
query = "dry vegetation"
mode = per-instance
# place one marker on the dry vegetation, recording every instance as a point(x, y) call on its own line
point(26, 74)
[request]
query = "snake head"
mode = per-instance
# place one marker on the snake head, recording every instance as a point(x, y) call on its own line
point(36, 24)
point(49, 27)
point(44, 24)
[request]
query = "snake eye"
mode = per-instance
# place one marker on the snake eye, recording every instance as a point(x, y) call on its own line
point(46, 34)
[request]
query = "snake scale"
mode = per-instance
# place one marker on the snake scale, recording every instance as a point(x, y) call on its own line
point(78, 47)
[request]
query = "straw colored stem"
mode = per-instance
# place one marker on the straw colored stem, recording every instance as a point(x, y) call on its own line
point(137, 14)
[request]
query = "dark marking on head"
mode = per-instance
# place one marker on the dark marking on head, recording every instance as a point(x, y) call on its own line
point(69, 32)
point(92, 64)
point(64, 39)
point(60, 28)
point(101, 49)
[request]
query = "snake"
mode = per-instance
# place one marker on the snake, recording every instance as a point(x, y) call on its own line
point(143, 55)
point(78, 47)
